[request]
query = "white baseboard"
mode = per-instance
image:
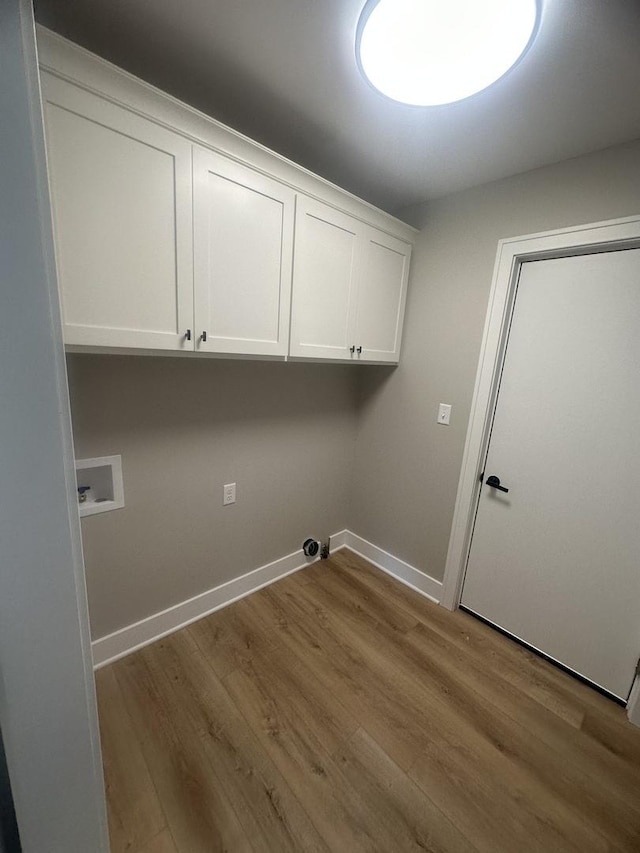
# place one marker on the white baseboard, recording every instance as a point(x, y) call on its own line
point(339, 540)
point(111, 647)
point(126, 640)
point(394, 566)
point(633, 705)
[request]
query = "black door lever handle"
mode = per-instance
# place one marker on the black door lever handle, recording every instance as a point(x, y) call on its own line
point(494, 483)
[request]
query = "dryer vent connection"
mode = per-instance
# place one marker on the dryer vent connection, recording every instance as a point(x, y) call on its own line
point(310, 547)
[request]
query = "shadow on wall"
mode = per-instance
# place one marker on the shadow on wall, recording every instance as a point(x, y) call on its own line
point(9, 838)
point(162, 392)
point(373, 380)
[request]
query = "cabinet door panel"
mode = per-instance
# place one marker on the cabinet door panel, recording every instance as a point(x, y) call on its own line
point(326, 256)
point(121, 193)
point(243, 251)
point(382, 286)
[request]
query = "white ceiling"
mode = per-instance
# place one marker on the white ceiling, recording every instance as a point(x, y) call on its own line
point(283, 72)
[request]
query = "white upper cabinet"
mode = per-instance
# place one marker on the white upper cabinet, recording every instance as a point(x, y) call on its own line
point(382, 290)
point(349, 287)
point(243, 246)
point(325, 267)
point(121, 194)
point(175, 233)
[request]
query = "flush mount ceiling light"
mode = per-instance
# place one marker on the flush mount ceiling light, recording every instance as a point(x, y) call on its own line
point(431, 52)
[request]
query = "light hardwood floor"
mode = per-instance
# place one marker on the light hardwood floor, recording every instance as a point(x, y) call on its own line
point(339, 711)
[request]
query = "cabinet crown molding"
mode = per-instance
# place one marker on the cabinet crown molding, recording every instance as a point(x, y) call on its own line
point(67, 60)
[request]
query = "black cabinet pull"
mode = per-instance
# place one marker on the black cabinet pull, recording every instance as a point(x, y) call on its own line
point(494, 483)
point(352, 349)
point(203, 337)
point(187, 335)
point(359, 350)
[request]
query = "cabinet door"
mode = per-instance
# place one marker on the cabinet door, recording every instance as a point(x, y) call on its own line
point(327, 248)
point(121, 194)
point(382, 290)
point(243, 233)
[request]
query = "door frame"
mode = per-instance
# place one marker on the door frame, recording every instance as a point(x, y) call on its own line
point(48, 711)
point(585, 239)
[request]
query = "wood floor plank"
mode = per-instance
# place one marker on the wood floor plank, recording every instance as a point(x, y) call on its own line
point(194, 801)
point(265, 804)
point(358, 599)
point(555, 690)
point(134, 810)
point(620, 740)
point(336, 809)
point(506, 659)
point(401, 596)
point(504, 717)
point(412, 820)
point(162, 843)
point(345, 674)
point(337, 710)
point(546, 684)
point(384, 704)
point(565, 761)
point(307, 574)
point(382, 690)
point(307, 701)
point(469, 799)
point(529, 671)
point(266, 605)
point(448, 730)
point(364, 816)
point(230, 637)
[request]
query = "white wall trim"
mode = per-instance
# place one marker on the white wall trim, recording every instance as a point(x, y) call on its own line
point(339, 540)
point(633, 703)
point(133, 637)
point(394, 566)
point(48, 711)
point(583, 239)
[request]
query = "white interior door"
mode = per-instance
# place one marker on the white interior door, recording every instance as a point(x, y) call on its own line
point(555, 561)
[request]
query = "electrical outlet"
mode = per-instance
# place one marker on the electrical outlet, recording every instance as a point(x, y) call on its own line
point(228, 494)
point(444, 414)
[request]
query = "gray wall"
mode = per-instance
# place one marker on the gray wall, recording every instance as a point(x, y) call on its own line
point(47, 700)
point(407, 467)
point(283, 432)
point(313, 448)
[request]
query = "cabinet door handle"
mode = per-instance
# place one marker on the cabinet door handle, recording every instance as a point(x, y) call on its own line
point(203, 337)
point(359, 350)
point(352, 349)
point(187, 335)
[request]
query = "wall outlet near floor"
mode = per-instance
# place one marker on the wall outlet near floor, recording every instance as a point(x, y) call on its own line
point(444, 414)
point(228, 494)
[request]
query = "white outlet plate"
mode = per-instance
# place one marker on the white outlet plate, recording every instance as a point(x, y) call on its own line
point(228, 494)
point(444, 414)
